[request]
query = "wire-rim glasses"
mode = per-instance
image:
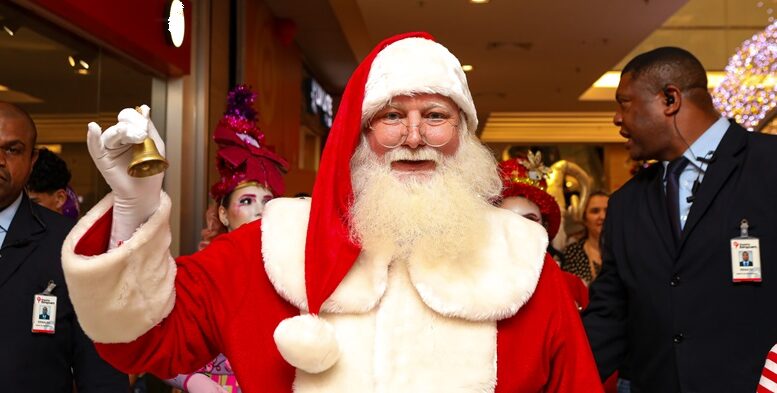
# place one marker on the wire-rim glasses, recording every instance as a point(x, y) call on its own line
point(391, 130)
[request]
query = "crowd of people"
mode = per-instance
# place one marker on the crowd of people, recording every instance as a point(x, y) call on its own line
point(418, 264)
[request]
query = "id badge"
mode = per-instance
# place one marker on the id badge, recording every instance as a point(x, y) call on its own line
point(745, 257)
point(44, 311)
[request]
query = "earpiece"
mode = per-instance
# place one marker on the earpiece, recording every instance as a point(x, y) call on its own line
point(669, 97)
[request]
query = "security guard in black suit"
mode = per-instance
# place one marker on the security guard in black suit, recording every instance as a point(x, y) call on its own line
point(29, 261)
point(666, 306)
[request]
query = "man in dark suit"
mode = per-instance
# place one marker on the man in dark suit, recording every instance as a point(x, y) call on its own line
point(665, 307)
point(31, 238)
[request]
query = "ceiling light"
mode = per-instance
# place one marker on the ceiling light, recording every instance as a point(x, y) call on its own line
point(176, 23)
point(10, 27)
point(479, 1)
point(610, 79)
point(467, 67)
point(81, 62)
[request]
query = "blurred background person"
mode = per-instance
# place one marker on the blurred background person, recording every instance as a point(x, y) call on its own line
point(49, 186)
point(582, 258)
point(250, 176)
point(523, 192)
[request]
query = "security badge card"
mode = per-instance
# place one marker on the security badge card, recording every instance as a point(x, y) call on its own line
point(44, 311)
point(745, 257)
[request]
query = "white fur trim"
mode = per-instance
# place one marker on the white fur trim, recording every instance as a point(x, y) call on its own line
point(404, 346)
point(496, 282)
point(307, 343)
point(417, 66)
point(121, 294)
point(491, 285)
point(284, 230)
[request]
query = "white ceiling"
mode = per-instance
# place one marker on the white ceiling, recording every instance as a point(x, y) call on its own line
point(529, 56)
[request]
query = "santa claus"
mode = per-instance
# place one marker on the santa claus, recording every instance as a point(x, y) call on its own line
point(398, 275)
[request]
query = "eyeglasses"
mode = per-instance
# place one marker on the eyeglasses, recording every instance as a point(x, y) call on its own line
point(391, 130)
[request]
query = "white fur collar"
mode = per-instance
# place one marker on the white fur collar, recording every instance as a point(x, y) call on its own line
point(493, 285)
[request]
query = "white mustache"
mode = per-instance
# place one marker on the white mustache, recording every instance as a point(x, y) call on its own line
point(421, 154)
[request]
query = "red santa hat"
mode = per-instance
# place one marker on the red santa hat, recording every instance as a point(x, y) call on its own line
point(242, 157)
point(525, 177)
point(406, 64)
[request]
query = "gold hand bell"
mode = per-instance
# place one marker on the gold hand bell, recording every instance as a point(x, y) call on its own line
point(146, 160)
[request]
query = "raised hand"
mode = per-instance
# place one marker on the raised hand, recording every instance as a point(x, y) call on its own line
point(135, 199)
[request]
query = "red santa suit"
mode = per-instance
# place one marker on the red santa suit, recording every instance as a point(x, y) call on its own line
point(297, 306)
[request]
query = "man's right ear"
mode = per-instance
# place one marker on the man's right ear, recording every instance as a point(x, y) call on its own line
point(61, 197)
point(672, 99)
point(669, 100)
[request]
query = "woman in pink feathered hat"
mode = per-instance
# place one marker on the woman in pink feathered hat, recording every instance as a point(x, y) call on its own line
point(250, 176)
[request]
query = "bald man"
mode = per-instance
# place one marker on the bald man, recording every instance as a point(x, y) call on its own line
point(41, 354)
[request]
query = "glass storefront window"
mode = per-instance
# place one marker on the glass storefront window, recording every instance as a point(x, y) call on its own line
point(64, 82)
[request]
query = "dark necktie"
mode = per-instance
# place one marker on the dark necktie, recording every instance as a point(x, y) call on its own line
point(673, 171)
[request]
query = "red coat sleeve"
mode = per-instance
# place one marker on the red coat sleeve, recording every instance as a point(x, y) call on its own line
point(543, 348)
point(208, 287)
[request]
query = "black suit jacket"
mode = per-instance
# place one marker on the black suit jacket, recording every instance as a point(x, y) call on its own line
point(45, 363)
point(669, 312)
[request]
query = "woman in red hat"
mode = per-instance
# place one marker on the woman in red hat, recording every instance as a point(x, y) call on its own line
point(524, 180)
point(523, 192)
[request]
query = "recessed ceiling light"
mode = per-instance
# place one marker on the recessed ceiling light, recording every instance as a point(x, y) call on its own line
point(479, 1)
point(467, 67)
point(10, 27)
point(610, 79)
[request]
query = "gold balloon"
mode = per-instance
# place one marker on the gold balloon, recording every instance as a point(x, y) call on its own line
point(561, 172)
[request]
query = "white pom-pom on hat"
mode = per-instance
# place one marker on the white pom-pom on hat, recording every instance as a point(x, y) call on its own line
point(308, 343)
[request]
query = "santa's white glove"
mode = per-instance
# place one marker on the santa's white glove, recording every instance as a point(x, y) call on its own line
point(199, 383)
point(135, 199)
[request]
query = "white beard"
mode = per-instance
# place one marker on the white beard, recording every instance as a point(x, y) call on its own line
point(438, 216)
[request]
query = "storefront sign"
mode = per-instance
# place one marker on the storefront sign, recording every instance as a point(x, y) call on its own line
point(320, 103)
